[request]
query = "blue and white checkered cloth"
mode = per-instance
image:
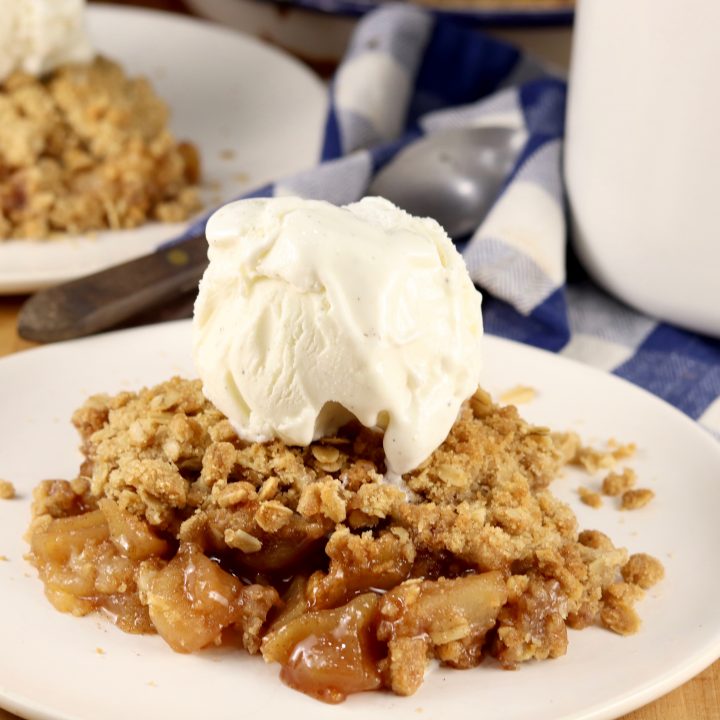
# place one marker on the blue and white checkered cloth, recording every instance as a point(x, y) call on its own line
point(408, 73)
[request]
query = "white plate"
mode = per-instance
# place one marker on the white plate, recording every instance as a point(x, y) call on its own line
point(226, 92)
point(49, 667)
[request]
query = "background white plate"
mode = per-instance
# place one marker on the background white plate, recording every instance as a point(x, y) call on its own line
point(49, 667)
point(226, 92)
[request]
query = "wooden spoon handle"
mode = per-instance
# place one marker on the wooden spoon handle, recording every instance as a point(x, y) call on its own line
point(105, 299)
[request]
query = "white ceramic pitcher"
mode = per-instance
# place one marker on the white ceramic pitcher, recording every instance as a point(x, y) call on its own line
point(642, 158)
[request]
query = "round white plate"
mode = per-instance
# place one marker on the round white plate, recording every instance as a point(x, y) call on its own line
point(50, 666)
point(255, 114)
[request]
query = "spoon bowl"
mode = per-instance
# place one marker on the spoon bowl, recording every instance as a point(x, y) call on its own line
point(453, 176)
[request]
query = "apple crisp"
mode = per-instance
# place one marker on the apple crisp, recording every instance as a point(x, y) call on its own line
point(316, 557)
point(85, 149)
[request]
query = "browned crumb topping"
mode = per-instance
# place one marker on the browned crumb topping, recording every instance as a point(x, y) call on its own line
point(622, 451)
point(4, 558)
point(494, 4)
point(616, 484)
point(87, 148)
point(595, 539)
point(468, 555)
point(589, 497)
point(7, 490)
point(643, 570)
point(518, 395)
point(617, 613)
point(594, 459)
point(635, 499)
point(405, 665)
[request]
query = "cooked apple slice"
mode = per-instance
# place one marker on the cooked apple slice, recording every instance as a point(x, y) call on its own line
point(131, 535)
point(328, 653)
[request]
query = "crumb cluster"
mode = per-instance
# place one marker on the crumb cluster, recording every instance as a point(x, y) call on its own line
point(635, 499)
point(590, 497)
point(7, 490)
point(85, 149)
point(468, 556)
point(614, 484)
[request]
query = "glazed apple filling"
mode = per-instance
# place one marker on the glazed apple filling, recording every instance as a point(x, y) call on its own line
point(315, 557)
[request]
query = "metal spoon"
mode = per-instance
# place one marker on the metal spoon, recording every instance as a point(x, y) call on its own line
point(452, 176)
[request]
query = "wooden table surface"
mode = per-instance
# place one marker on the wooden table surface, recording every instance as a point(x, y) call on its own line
point(698, 699)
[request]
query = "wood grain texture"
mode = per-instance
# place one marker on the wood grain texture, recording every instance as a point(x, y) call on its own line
point(698, 699)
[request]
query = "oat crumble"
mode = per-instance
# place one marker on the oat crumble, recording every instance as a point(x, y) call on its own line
point(518, 395)
point(643, 570)
point(593, 459)
point(589, 497)
point(7, 490)
point(615, 484)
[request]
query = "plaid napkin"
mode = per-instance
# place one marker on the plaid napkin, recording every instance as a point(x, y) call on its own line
point(408, 73)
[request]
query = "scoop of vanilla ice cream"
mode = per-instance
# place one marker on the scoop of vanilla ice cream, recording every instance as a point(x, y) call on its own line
point(309, 314)
point(38, 35)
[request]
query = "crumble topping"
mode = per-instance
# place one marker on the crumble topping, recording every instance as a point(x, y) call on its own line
point(7, 490)
point(86, 148)
point(518, 395)
point(615, 484)
point(635, 499)
point(593, 459)
point(589, 497)
point(309, 556)
point(643, 570)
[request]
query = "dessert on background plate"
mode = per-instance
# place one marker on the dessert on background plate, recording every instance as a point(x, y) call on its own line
point(83, 147)
point(244, 142)
point(335, 492)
